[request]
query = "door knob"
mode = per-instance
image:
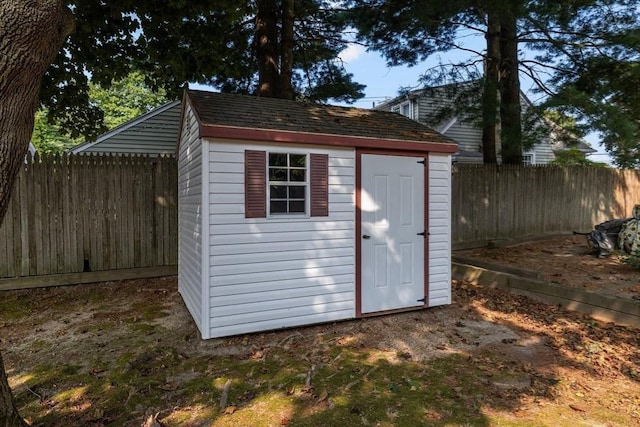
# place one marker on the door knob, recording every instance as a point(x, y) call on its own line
point(366, 236)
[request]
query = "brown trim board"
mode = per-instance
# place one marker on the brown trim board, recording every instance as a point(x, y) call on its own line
point(358, 227)
point(269, 135)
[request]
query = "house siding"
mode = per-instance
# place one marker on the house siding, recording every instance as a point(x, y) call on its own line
point(153, 136)
point(439, 229)
point(270, 273)
point(466, 134)
point(190, 219)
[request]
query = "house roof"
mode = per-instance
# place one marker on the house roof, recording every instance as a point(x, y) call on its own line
point(246, 117)
point(128, 125)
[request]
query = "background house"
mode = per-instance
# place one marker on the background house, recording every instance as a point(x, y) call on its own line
point(423, 104)
point(154, 133)
point(294, 213)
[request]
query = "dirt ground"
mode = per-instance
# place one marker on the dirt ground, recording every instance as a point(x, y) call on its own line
point(566, 260)
point(116, 352)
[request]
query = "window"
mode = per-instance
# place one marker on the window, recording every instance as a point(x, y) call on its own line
point(406, 109)
point(287, 183)
point(528, 159)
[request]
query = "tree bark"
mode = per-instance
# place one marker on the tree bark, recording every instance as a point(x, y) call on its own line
point(287, 44)
point(31, 34)
point(510, 109)
point(9, 415)
point(490, 92)
point(267, 48)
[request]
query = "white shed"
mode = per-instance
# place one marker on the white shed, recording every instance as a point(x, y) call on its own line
point(294, 213)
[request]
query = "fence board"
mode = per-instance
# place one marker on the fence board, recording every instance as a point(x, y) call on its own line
point(505, 202)
point(120, 212)
point(103, 209)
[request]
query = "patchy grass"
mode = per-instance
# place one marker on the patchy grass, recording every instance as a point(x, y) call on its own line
point(491, 359)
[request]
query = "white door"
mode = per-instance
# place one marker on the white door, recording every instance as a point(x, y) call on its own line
point(392, 248)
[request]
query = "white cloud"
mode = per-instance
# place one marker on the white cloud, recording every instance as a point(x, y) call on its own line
point(352, 52)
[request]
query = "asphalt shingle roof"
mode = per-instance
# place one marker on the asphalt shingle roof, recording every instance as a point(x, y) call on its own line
point(251, 112)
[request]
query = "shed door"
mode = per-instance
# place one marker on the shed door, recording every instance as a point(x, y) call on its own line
point(392, 215)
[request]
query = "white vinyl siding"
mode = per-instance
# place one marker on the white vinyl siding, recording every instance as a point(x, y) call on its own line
point(151, 134)
point(270, 273)
point(190, 220)
point(542, 154)
point(439, 229)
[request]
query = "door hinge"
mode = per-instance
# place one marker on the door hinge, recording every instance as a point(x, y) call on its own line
point(423, 300)
point(423, 161)
point(423, 234)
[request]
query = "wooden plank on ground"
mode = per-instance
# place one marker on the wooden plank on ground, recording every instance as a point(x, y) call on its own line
point(87, 277)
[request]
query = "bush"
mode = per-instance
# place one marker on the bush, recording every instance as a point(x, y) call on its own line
point(633, 260)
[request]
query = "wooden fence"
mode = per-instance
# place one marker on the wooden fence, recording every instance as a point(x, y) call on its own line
point(72, 214)
point(506, 202)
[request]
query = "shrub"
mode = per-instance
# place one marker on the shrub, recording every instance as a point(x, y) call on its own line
point(633, 260)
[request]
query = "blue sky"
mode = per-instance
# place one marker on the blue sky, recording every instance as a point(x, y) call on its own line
point(384, 82)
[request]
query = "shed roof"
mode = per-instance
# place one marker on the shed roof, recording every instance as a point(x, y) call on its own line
point(246, 117)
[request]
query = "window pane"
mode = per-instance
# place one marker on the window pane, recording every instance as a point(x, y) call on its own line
point(277, 174)
point(278, 207)
point(406, 110)
point(296, 192)
point(278, 192)
point(298, 160)
point(296, 206)
point(277, 159)
point(297, 175)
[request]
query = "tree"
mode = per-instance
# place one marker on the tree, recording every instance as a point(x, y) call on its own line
point(573, 156)
point(48, 137)
point(564, 40)
point(408, 32)
point(247, 47)
point(26, 55)
point(122, 101)
point(290, 50)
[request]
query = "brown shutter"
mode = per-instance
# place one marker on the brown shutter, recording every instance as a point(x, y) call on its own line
point(255, 186)
point(319, 177)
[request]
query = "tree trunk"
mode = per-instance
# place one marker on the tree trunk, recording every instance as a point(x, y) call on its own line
point(31, 34)
point(490, 92)
point(9, 415)
point(510, 109)
point(267, 48)
point(287, 44)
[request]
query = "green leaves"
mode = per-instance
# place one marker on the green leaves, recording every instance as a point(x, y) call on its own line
point(177, 42)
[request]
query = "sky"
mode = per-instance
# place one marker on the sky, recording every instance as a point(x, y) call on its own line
point(384, 82)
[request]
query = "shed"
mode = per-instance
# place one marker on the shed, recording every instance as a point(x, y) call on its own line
point(294, 213)
point(154, 133)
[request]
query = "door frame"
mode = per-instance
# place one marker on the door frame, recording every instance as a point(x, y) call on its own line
point(358, 227)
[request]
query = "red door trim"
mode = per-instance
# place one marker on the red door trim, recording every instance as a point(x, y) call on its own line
point(358, 227)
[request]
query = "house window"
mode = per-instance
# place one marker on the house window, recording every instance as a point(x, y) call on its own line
point(528, 159)
point(285, 183)
point(406, 109)
point(288, 188)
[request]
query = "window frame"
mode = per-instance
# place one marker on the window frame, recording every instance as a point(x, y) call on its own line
point(398, 109)
point(307, 184)
point(530, 154)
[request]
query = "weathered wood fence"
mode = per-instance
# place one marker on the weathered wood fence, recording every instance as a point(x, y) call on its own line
point(506, 202)
point(74, 214)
